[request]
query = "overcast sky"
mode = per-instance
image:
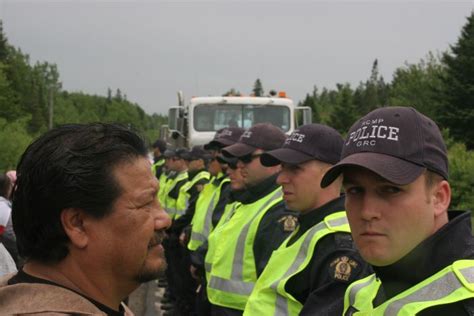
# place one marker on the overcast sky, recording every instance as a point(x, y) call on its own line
point(151, 49)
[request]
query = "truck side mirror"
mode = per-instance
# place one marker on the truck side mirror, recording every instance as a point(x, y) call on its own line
point(173, 115)
point(303, 115)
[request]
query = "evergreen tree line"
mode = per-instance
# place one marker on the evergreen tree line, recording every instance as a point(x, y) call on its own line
point(28, 92)
point(441, 87)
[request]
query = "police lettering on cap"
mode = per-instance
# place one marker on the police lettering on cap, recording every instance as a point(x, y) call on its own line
point(397, 143)
point(260, 136)
point(308, 142)
point(225, 137)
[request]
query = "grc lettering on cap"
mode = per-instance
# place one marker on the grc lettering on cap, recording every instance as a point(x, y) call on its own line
point(373, 132)
point(295, 137)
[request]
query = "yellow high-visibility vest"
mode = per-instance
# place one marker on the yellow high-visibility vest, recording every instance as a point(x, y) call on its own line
point(202, 219)
point(269, 296)
point(184, 195)
point(233, 273)
point(452, 284)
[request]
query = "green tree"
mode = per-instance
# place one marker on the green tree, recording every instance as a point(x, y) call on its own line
point(371, 94)
point(232, 93)
point(8, 106)
point(344, 113)
point(14, 139)
point(19, 76)
point(257, 88)
point(4, 47)
point(109, 95)
point(461, 176)
point(457, 96)
point(416, 85)
point(118, 96)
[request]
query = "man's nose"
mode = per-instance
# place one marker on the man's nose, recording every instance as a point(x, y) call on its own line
point(282, 178)
point(240, 164)
point(162, 220)
point(370, 208)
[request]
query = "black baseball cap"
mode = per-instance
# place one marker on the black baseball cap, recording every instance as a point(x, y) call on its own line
point(397, 143)
point(169, 153)
point(260, 136)
point(197, 152)
point(225, 137)
point(308, 142)
point(227, 160)
point(182, 153)
point(160, 144)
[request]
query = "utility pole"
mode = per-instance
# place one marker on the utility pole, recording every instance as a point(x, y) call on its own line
point(51, 106)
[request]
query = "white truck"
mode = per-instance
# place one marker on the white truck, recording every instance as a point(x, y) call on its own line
point(196, 123)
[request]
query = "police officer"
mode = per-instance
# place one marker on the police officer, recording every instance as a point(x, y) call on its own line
point(176, 162)
point(213, 195)
point(166, 177)
point(197, 159)
point(212, 192)
point(395, 170)
point(159, 148)
point(319, 258)
point(242, 245)
point(180, 166)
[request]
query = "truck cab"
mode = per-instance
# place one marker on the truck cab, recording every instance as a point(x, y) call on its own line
point(197, 122)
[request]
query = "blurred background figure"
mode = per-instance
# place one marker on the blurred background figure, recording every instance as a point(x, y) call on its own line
point(7, 263)
point(159, 148)
point(5, 202)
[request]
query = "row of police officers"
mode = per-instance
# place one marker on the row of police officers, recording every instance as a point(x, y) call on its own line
point(260, 226)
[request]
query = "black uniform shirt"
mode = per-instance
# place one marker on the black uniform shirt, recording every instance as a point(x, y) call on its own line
point(452, 242)
point(320, 287)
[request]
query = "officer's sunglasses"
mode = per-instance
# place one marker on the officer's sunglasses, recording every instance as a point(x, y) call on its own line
point(232, 165)
point(249, 158)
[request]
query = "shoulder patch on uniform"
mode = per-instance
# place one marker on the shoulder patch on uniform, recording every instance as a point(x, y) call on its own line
point(289, 222)
point(343, 267)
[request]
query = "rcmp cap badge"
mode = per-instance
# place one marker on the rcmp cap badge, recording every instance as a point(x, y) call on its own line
point(289, 222)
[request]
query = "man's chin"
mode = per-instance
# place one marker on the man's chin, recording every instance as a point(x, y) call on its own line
point(151, 272)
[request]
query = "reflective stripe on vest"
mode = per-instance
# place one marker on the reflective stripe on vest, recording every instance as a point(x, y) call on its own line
point(269, 296)
point(202, 220)
point(228, 212)
point(170, 203)
point(157, 164)
point(452, 284)
point(182, 202)
point(233, 291)
point(164, 182)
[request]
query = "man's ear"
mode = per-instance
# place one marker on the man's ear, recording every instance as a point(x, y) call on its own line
point(441, 197)
point(72, 220)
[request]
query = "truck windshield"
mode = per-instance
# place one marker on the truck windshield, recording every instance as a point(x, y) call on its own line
point(211, 117)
